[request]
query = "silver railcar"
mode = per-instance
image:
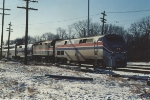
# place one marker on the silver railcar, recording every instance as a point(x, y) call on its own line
point(20, 51)
point(11, 54)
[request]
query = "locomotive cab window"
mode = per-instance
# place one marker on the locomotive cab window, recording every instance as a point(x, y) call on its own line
point(114, 38)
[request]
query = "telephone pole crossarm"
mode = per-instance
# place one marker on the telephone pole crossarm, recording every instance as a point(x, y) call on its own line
point(21, 7)
point(4, 14)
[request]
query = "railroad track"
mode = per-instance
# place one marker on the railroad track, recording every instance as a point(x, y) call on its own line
point(144, 69)
point(89, 68)
point(134, 68)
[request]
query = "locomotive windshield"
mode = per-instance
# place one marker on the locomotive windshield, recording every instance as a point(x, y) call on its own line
point(114, 39)
point(115, 43)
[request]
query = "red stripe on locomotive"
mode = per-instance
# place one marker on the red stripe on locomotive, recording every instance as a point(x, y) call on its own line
point(80, 45)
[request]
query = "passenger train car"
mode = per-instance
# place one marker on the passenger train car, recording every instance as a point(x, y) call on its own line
point(11, 54)
point(20, 51)
point(105, 50)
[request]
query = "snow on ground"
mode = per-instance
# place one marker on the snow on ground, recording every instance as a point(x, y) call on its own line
point(18, 81)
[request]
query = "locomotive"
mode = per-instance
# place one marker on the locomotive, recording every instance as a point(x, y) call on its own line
point(105, 50)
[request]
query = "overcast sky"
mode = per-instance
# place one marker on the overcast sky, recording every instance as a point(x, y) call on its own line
point(52, 14)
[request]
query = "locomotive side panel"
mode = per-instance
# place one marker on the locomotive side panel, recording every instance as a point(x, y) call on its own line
point(80, 50)
point(43, 51)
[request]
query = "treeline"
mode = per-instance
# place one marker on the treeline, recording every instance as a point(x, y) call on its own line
point(136, 37)
point(138, 40)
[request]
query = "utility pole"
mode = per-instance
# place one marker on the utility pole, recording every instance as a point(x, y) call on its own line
point(84, 32)
point(3, 25)
point(26, 31)
point(88, 16)
point(9, 29)
point(103, 20)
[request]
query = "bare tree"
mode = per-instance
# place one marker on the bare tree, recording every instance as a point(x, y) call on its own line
point(79, 28)
point(37, 38)
point(61, 33)
point(139, 44)
point(70, 33)
point(95, 29)
point(113, 29)
point(44, 37)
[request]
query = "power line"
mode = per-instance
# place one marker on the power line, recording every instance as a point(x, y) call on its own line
point(131, 11)
point(85, 16)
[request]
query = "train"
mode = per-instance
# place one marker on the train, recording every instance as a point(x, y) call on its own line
point(105, 50)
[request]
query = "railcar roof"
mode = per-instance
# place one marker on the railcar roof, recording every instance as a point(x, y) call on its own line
point(47, 41)
point(83, 38)
point(13, 45)
point(23, 46)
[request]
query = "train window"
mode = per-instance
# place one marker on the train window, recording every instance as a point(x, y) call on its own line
point(89, 40)
point(65, 43)
point(58, 52)
point(45, 43)
point(62, 52)
point(84, 40)
point(20, 46)
point(40, 43)
point(80, 41)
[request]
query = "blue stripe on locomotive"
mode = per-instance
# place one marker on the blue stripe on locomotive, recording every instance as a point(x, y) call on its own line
point(84, 48)
point(80, 48)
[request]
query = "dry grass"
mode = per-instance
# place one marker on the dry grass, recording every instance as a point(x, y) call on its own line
point(31, 90)
point(2, 70)
point(119, 79)
point(77, 73)
point(134, 88)
point(10, 83)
